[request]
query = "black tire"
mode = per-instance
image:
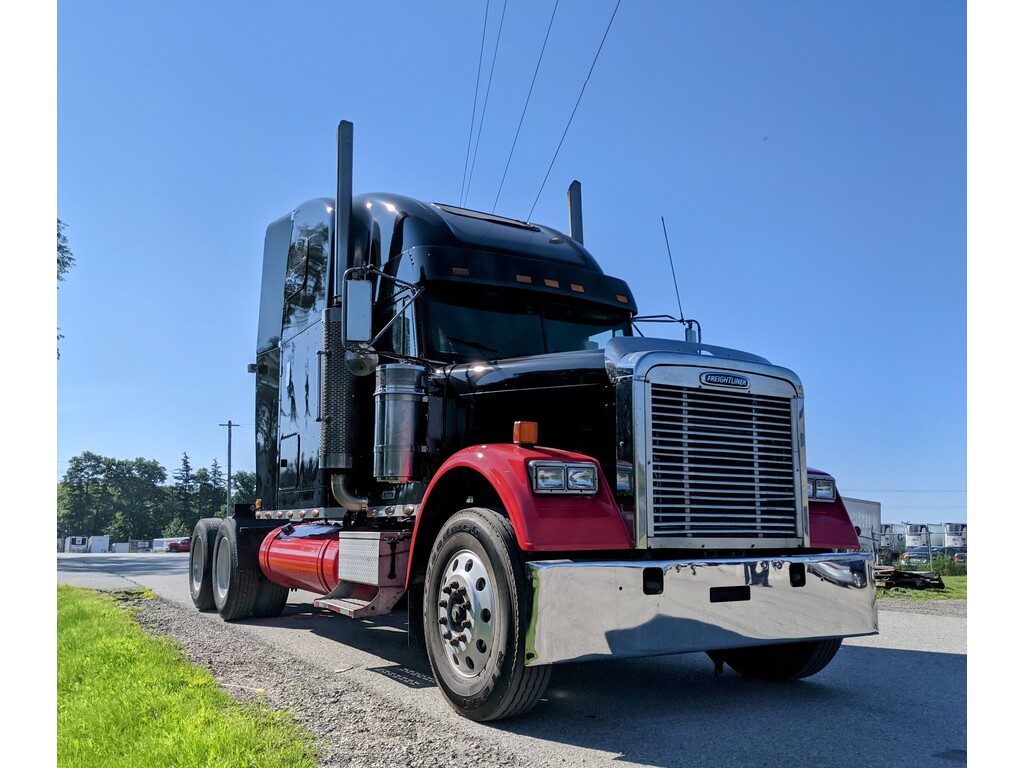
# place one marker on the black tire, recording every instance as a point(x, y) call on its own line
point(270, 599)
point(476, 633)
point(235, 583)
point(783, 663)
point(200, 562)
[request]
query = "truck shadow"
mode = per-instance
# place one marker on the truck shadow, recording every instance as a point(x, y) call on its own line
point(883, 706)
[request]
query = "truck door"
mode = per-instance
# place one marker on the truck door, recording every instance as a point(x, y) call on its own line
point(299, 444)
point(301, 341)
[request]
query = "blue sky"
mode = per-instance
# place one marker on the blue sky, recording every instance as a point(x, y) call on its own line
point(809, 160)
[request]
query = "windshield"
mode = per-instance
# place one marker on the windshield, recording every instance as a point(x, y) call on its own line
point(469, 323)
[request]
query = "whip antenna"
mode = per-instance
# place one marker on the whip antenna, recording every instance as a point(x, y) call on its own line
point(675, 282)
point(691, 335)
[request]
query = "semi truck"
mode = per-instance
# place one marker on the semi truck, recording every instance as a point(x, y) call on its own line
point(457, 417)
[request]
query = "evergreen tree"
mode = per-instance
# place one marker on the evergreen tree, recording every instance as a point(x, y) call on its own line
point(185, 488)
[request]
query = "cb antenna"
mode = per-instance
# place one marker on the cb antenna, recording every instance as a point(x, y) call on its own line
point(692, 335)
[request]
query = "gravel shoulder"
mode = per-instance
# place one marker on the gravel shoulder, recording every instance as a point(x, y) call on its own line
point(354, 725)
point(953, 608)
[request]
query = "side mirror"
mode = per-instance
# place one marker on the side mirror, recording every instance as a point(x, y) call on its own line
point(357, 305)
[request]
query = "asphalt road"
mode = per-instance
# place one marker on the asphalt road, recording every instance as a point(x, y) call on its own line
point(899, 698)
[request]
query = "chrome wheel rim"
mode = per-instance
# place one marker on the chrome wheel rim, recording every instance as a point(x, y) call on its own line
point(466, 615)
point(221, 570)
point(198, 566)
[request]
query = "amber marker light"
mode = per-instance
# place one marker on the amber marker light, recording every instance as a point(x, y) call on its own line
point(551, 283)
point(622, 299)
point(576, 287)
point(524, 279)
point(525, 433)
point(460, 271)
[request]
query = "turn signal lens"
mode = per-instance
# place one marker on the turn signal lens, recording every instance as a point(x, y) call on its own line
point(525, 433)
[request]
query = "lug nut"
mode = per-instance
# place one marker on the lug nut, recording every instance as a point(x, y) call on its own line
point(442, 620)
point(442, 603)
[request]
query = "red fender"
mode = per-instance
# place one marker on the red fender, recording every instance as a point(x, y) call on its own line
point(542, 522)
point(830, 524)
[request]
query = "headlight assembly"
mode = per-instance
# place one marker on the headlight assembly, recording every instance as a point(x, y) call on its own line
point(821, 489)
point(563, 477)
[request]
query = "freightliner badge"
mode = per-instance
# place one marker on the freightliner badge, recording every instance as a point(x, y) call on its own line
point(724, 380)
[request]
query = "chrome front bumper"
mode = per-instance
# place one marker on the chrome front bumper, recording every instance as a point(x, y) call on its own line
point(593, 610)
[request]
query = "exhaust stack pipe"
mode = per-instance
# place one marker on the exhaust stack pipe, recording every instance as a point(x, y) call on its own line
point(576, 212)
point(342, 211)
point(338, 408)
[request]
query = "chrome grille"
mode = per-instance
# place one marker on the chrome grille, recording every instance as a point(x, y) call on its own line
point(722, 464)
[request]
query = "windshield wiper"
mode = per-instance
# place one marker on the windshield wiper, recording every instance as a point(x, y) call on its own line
point(473, 344)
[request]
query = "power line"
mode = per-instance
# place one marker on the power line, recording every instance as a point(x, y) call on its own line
point(921, 506)
point(578, 99)
point(476, 93)
point(487, 94)
point(527, 104)
point(901, 490)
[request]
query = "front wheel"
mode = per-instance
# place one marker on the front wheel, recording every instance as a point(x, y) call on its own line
point(782, 663)
point(474, 618)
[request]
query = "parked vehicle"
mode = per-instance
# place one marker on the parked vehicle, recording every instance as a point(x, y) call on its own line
point(450, 405)
point(916, 556)
point(179, 545)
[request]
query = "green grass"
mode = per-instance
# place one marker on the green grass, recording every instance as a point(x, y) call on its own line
point(130, 700)
point(955, 589)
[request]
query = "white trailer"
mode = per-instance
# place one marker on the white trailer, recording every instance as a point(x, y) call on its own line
point(99, 544)
point(925, 535)
point(955, 534)
point(894, 537)
point(866, 517)
point(76, 544)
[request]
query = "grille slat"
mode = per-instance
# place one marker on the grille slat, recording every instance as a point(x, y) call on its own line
point(722, 464)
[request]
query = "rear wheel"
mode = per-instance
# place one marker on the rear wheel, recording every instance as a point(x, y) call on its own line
point(474, 618)
point(235, 584)
point(782, 663)
point(270, 599)
point(200, 578)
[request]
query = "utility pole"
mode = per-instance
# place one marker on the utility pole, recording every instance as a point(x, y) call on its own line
point(229, 425)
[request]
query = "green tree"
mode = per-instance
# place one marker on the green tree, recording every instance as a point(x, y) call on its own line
point(185, 488)
point(117, 497)
point(243, 488)
point(65, 260)
point(210, 491)
point(82, 499)
point(137, 497)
